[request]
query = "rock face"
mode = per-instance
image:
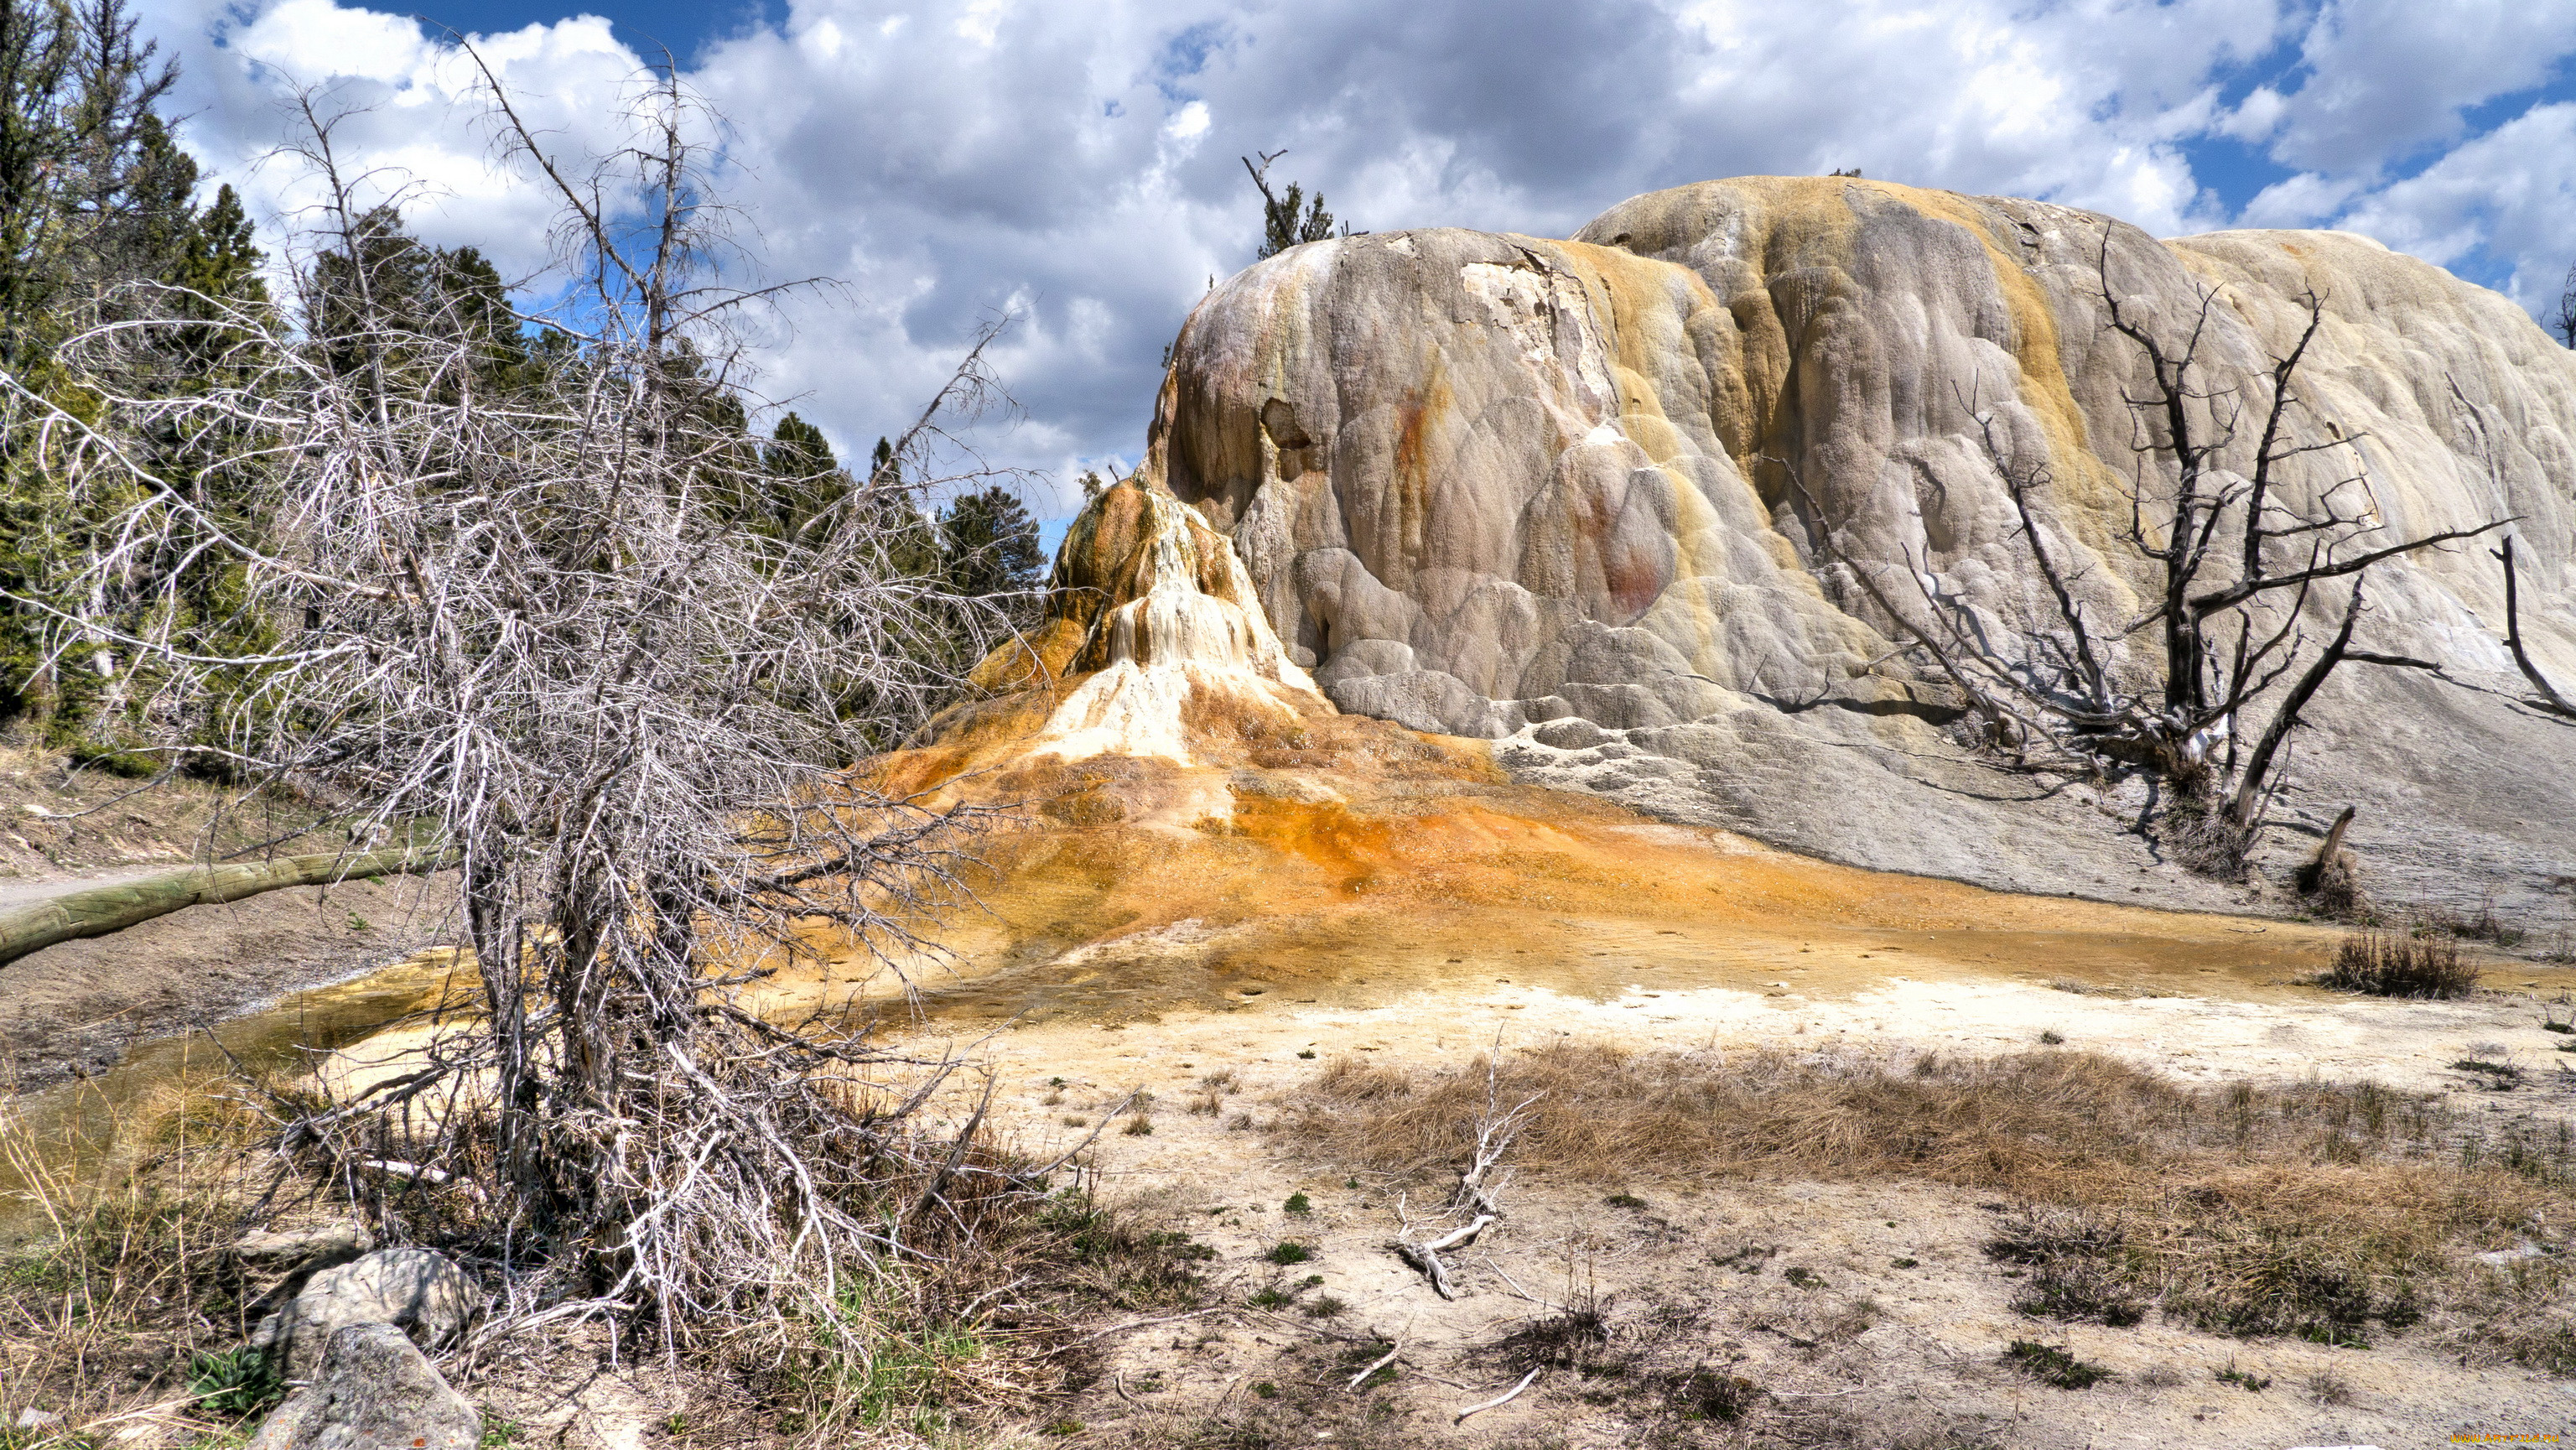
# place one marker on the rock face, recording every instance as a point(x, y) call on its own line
point(416, 1290)
point(373, 1391)
point(1587, 497)
point(1151, 606)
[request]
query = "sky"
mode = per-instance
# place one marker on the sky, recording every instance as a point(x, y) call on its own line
point(1075, 166)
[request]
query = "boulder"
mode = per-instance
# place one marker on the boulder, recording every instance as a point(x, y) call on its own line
point(318, 1246)
point(1481, 482)
point(418, 1291)
point(372, 1390)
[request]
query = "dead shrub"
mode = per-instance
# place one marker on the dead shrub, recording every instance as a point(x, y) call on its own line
point(1576, 1337)
point(2394, 964)
point(2205, 839)
point(2333, 888)
point(2079, 1266)
point(2484, 926)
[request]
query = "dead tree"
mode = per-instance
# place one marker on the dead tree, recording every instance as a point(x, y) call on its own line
point(1283, 225)
point(2549, 699)
point(2234, 563)
point(521, 617)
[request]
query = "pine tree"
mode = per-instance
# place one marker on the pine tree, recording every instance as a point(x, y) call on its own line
point(96, 199)
point(988, 544)
point(1282, 225)
point(807, 479)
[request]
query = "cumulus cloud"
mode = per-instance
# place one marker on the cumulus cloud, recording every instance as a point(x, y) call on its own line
point(2385, 77)
point(2509, 195)
point(1075, 166)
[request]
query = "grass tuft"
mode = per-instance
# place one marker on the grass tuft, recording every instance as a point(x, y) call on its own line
point(2054, 1364)
point(2391, 964)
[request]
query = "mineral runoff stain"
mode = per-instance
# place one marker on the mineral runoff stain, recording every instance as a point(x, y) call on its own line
point(1386, 889)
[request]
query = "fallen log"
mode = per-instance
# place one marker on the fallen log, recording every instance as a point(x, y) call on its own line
point(101, 910)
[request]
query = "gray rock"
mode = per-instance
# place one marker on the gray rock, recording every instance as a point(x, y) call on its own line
point(417, 1290)
point(1483, 480)
point(319, 1246)
point(373, 1390)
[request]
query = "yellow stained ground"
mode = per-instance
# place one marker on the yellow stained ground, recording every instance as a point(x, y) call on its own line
point(1132, 889)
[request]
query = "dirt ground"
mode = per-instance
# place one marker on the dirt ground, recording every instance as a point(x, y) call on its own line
point(1357, 891)
point(1901, 1328)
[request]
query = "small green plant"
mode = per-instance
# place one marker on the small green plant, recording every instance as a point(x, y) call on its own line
point(1904, 1263)
point(2051, 1039)
point(1325, 1306)
point(236, 1383)
point(2250, 1383)
point(1308, 1054)
point(1802, 1277)
point(1179, 1245)
point(1350, 1183)
point(1066, 1426)
point(1290, 1252)
point(359, 923)
point(1264, 1390)
point(1705, 1394)
point(2340, 1336)
point(1055, 1082)
point(501, 1434)
point(2552, 1024)
point(1298, 1203)
point(1311, 1281)
point(1271, 1296)
point(1624, 1200)
point(2500, 1076)
point(2054, 1364)
point(1746, 1260)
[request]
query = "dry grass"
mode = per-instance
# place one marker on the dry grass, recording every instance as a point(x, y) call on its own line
point(134, 1297)
point(2327, 1211)
point(2482, 925)
point(130, 1295)
point(2400, 964)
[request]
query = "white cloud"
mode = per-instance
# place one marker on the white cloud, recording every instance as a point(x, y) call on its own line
point(1077, 163)
point(2509, 193)
point(2388, 76)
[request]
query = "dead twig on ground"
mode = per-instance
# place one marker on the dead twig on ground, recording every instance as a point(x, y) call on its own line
point(1505, 1398)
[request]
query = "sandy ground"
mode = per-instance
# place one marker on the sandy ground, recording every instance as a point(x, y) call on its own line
point(1886, 1345)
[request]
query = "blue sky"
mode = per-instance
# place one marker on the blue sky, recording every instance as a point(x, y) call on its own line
point(1074, 166)
point(681, 29)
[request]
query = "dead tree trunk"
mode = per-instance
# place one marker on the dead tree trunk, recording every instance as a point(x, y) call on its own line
point(2317, 871)
point(2550, 700)
point(104, 909)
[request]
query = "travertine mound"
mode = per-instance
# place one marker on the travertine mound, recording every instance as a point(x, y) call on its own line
point(1575, 496)
point(1147, 605)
